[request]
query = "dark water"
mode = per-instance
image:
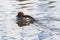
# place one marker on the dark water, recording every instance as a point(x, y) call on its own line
point(46, 13)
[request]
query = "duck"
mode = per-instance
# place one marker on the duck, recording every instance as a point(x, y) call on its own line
point(24, 20)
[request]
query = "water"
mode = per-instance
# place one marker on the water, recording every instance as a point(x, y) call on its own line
point(46, 12)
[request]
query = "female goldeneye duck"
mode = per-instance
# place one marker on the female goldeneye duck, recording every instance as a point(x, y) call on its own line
point(23, 20)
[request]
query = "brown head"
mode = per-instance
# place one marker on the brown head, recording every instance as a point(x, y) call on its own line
point(20, 14)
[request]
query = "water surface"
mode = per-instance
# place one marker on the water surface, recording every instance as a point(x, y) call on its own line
point(46, 12)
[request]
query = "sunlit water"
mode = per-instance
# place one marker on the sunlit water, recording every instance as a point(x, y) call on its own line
point(44, 11)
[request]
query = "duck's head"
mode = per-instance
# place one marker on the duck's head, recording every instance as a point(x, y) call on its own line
point(20, 14)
